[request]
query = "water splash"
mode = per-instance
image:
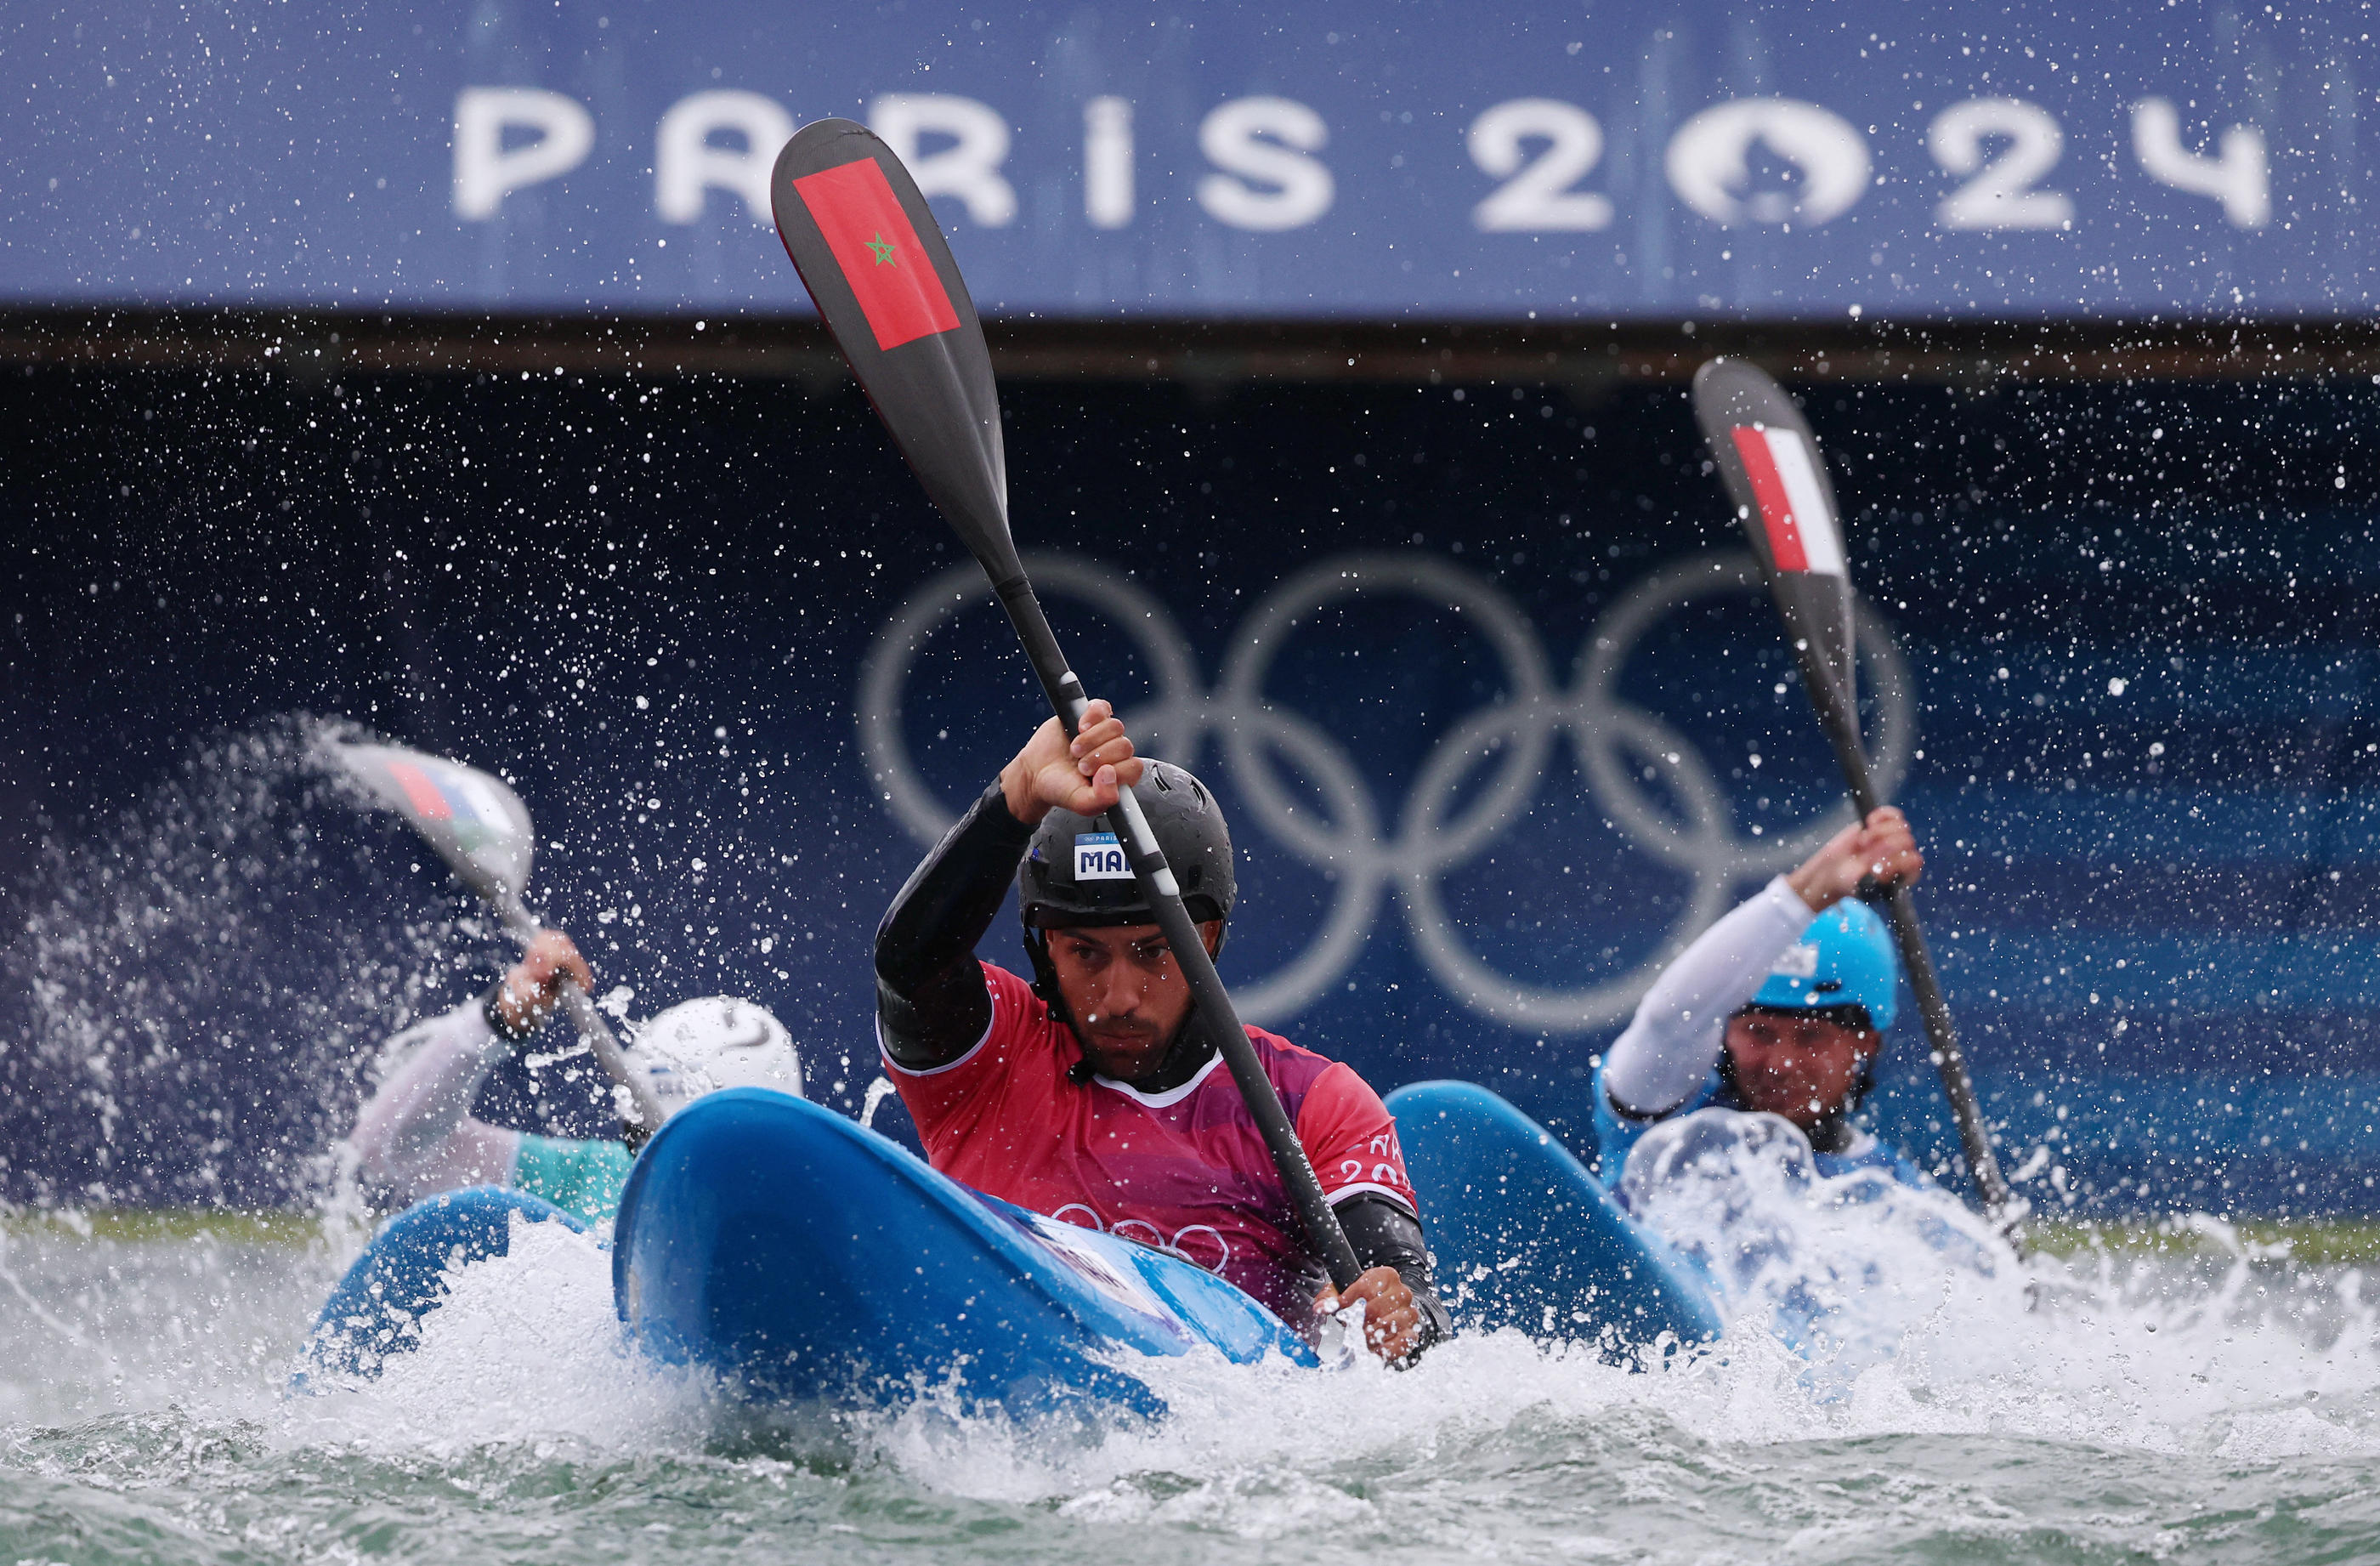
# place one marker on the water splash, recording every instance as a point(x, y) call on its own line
point(190, 1005)
point(1840, 1268)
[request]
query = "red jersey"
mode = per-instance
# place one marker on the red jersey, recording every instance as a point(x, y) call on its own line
point(1184, 1171)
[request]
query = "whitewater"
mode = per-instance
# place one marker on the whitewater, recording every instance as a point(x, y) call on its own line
point(2208, 1400)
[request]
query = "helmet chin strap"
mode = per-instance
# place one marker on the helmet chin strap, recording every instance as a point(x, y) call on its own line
point(1184, 1053)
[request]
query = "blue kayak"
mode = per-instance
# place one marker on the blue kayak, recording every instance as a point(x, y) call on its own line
point(804, 1258)
point(1523, 1236)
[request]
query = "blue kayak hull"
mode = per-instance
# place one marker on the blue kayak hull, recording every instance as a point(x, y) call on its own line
point(803, 1259)
point(378, 1307)
point(1523, 1236)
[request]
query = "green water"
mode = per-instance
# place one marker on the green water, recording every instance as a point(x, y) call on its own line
point(2175, 1405)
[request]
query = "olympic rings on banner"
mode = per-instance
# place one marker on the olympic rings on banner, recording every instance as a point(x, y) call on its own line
point(1620, 749)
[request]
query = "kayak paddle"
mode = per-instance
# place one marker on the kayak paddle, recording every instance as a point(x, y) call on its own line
point(1769, 458)
point(481, 829)
point(876, 263)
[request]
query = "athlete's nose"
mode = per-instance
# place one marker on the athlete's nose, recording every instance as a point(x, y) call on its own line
point(1110, 999)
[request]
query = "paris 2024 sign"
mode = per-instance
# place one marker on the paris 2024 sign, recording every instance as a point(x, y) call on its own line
point(1426, 161)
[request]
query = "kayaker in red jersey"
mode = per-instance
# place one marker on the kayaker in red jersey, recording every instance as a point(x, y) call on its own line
point(1083, 1094)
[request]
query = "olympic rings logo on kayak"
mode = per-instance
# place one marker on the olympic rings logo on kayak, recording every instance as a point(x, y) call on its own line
point(1200, 1245)
point(1620, 747)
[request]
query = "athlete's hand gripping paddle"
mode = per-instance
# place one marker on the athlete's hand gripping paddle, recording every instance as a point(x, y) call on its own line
point(882, 274)
point(1769, 458)
point(481, 829)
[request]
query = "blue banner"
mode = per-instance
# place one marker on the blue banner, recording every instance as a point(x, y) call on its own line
point(1317, 159)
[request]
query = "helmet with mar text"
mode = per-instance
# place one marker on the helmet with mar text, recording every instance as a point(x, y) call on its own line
point(1075, 874)
point(700, 1047)
point(1845, 958)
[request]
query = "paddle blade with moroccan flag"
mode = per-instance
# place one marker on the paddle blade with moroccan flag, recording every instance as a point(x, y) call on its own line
point(1769, 460)
point(882, 274)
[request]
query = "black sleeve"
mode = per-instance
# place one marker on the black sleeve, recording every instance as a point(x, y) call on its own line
point(931, 1004)
point(1384, 1235)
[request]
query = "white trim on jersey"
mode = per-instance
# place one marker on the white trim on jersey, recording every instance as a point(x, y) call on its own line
point(1365, 1188)
point(1172, 1095)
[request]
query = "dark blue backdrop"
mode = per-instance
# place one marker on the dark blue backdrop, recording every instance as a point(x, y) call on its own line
point(1696, 157)
point(1507, 729)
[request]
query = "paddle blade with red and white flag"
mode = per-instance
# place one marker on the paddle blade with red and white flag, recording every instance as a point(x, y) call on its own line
point(882, 276)
point(1774, 475)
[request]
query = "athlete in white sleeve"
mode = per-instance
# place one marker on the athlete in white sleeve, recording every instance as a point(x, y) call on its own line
point(416, 1135)
point(1779, 1008)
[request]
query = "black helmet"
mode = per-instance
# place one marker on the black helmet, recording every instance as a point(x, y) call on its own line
point(1074, 873)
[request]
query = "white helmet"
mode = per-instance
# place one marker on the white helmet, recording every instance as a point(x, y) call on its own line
point(700, 1047)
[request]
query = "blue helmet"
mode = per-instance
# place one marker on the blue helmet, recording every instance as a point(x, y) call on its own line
point(1845, 958)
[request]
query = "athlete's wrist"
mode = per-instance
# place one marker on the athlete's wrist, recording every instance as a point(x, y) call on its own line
point(1810, 884)
point(1026, 806)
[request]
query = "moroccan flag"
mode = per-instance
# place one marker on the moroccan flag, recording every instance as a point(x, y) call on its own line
point(1793, 511)
point(871, 240)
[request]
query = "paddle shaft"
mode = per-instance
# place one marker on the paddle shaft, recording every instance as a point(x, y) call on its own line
point(1841, 726)
point(593, 1031)
point(1210, 1003)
